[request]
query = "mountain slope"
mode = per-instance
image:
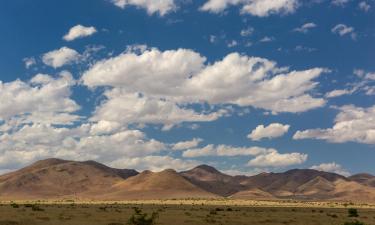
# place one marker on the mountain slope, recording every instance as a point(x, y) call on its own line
point(156, 185)
point(363, 178)
point(61, 179)
point(212, 180)
point(54, 178)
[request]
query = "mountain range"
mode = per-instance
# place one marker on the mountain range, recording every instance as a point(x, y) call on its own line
point(53, 179)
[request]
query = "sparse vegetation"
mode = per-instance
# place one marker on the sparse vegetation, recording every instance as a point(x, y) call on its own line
point(353, 212)
point(139, 218)
point(168, 213)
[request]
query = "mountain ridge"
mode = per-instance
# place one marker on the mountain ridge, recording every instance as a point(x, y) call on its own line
point(61, 179)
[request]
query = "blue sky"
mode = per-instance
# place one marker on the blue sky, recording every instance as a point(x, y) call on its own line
point(246, 86)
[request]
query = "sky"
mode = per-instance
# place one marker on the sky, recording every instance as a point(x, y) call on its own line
point(246, 86)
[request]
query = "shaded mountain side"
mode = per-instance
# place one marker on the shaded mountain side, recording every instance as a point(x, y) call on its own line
point(287, 183)
point(53, 178)
point(253, 193)
point(363, 178)
point(160, 185)
point(212, 180)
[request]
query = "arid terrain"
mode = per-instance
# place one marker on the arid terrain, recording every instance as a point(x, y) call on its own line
point(55, 191)
point(189, 213)
point(56, 179)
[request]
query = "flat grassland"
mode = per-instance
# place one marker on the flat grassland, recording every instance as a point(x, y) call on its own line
point(184, 212)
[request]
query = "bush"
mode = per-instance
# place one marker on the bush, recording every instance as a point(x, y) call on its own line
point(353, 212)
point(36, 208)
point(14, 205)
point(139, 218)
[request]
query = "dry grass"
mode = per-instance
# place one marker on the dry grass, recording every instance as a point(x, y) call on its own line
point(194, 212)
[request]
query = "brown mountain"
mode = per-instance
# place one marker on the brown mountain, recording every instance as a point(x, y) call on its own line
point(61, 179)
point(364, 178)
point(55, 178)
point(286, 184)
point(212, 180)
point(160, 185)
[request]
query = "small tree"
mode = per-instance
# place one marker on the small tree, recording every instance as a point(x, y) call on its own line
point(139, 218)
point(353, 212)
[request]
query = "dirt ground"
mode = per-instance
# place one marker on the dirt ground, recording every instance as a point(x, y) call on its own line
point(188, 212)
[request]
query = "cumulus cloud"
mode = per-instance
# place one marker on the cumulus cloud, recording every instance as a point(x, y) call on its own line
point(152, 6)
point(342, 29)
point(353, 123)
point(43, 98)
point(305, 27)
point(79, 31)
point(174, 78)
point(124, 108)
point(260, 8)
point(271, 131)
point(276, 159)
point(332, 168)
point(39, 141)
point(224, 150)
point(155, 163)
point(187, 144)
point(264, 157)
point(60, 57)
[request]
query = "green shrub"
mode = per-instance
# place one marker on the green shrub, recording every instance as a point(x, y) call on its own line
point(353, 212)
point(139, 218)
point(36, 208)
point(14, 205)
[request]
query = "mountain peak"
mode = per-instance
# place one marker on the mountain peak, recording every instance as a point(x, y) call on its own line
point(207, 168)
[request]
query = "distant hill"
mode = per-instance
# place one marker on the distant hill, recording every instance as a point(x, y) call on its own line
point(363, 178)
point(89, 180)
point(55, 178)
point(212, 180)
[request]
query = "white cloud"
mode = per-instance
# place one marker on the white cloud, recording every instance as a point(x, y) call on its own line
point(305, 28)
point(267, 39)
point(39, 141)
point(155, 163)
point(180, 77)
point(247, 32)
point(152, 6)
point(354, 124)
point(124, 108)
point(338, 93)
point(342, 29)
point(232, 44)
point(29, 62)
point(104, 127)
point(271, 131)
point(364, 6)
point(275, 159)
point(43, 98)
point(60, 57)
point(224, 150)
point(261, 8)
point(332, 168)
point(340, 2)
point(187, 144)
point(79, 31)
